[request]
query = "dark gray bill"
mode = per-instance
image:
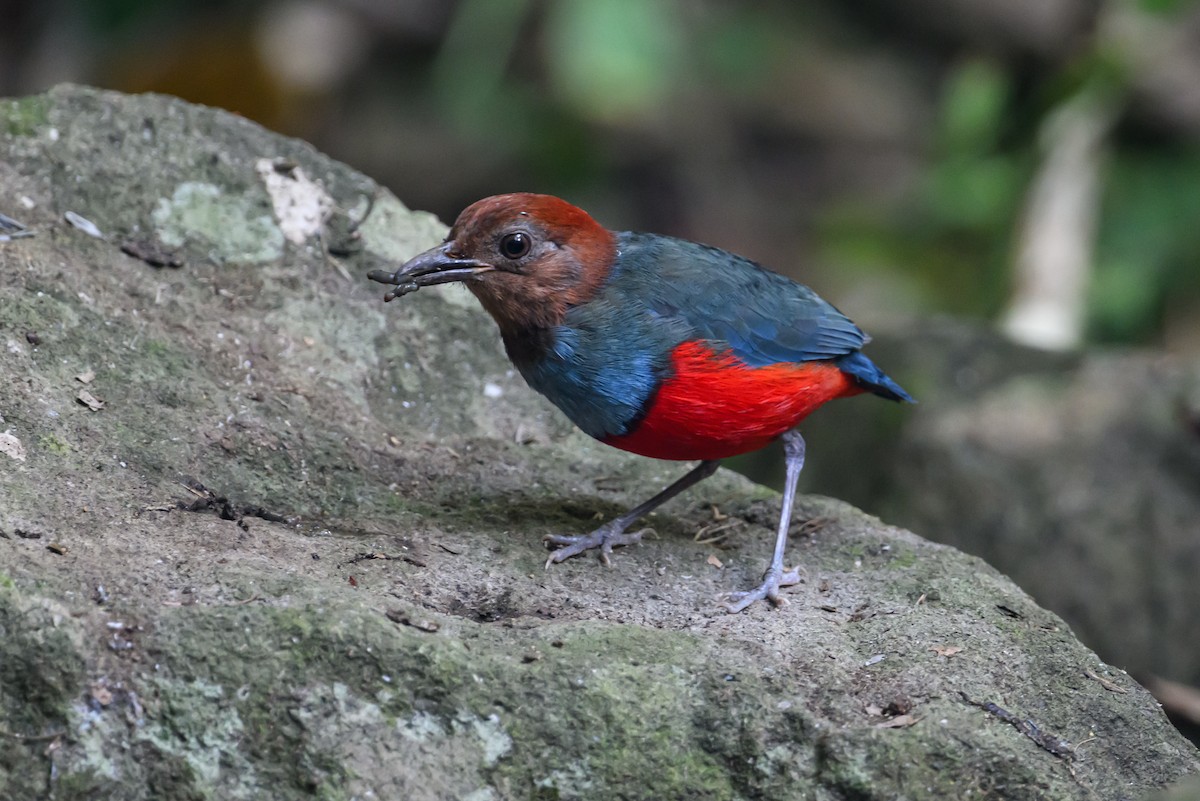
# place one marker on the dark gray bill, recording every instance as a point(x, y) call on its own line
point(434, 266)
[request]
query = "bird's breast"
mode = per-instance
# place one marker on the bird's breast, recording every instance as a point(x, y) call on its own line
point(603, 382)
point(712, 406)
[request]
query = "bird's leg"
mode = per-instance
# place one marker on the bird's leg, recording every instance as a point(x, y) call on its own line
point(613, 533)
point(776, 577)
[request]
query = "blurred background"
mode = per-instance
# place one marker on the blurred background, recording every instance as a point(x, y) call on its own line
point(1006, 192)
point(1034, 163)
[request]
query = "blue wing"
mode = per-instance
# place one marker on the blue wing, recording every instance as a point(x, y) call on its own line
point(761, 316)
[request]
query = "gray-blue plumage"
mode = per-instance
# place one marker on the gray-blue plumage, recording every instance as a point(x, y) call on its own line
point(603, 365)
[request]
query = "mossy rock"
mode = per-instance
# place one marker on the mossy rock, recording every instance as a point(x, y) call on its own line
point(295, 554)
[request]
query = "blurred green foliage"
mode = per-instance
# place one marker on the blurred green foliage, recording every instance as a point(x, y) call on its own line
point(1148, 244)
point(612, 59)
point(955, 236)
point(952, 237)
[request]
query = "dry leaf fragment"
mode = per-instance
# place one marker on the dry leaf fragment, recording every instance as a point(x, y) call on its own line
point(899, 722)
point(714, 561)
point(89, 400)
point(83, 224)
point(86, 377)
point(946, 650)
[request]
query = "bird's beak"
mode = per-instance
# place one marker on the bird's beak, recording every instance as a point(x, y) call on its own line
point(435, 266)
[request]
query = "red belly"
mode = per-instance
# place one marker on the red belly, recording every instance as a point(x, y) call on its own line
point(716, 406)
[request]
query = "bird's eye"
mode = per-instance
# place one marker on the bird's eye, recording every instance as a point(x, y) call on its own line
point(514, 246)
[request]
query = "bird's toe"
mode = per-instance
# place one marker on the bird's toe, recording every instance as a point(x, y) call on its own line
point(605, 538)
point(773, 582)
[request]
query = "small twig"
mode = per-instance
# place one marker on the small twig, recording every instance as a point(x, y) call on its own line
point(367, 555)
point(330, 261)
point(354, 226)
point(11, 229)
point(200, 491)
point(811, 526)
point(714, 532)
point(1046, 741)
point(1105, 683)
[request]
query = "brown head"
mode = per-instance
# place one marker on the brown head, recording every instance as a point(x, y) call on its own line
point(526, 257)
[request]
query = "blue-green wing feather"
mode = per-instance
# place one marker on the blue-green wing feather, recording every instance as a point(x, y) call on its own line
point(760, 316)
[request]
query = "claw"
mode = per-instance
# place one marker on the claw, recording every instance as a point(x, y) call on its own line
point(612, 533)
point(773, 582)
point(605, 538)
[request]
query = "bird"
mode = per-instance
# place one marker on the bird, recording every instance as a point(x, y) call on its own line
point(656, 345)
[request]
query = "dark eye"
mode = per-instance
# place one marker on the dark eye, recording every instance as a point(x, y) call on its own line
point(514, 246)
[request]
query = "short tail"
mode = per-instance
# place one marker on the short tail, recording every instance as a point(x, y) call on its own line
point(871, 378)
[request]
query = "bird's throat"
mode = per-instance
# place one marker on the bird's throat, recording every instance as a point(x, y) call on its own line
point(518, 310)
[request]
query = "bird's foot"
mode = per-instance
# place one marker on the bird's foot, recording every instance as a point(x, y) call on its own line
point(773, 582)
point(605, 538)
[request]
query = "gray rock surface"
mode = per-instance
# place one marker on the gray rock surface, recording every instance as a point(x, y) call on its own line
point(290, 550)
point(1084, 484)
point(1077, 475)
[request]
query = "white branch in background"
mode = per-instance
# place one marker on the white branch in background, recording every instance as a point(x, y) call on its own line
point(1055, 241)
